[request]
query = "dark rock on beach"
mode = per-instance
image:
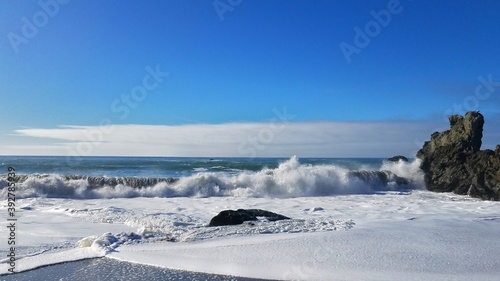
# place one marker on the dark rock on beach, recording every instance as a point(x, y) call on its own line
point(453, 162)
point(397, 158)
point(231, 217)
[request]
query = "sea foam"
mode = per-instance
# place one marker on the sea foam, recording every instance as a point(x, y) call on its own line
point(289, 179)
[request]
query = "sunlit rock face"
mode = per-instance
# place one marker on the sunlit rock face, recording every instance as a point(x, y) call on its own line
point(453, 162)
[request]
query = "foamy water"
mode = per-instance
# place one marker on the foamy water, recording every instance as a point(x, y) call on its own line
point(349, 219)
point(290, 178)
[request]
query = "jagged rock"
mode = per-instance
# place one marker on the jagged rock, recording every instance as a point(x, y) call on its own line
point(397, 158)
point(230, 217)
point(453, 162)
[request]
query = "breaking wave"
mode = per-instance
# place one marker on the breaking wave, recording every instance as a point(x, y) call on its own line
point(289, 179)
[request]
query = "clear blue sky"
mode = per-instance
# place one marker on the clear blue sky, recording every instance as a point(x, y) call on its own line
point(237, 62)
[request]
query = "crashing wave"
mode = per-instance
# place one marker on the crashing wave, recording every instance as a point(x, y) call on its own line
point(97, 182)
point(289, 179)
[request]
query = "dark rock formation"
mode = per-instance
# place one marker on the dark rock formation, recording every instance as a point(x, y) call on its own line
point(230, 217)
point(397, 158)
point(453, 162)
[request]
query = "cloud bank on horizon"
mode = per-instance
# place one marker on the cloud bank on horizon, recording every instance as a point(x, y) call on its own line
point(270, 139)
point(279, 137)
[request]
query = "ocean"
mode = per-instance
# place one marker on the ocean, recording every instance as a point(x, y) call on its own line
point(113, 177)
point(147, 218)
point(162, 166)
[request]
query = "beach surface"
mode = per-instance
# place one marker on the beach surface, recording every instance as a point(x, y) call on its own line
point(111, 269)
point(391, 236)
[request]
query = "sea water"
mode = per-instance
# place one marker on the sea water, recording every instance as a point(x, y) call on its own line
point(349, 217)
point(116, 177)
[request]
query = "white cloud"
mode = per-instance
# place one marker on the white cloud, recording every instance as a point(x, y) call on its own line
point(305, 139)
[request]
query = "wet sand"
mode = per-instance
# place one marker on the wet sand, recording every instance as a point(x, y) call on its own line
point(110, 269)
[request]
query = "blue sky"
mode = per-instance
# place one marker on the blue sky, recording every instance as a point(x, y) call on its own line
point(245, 78)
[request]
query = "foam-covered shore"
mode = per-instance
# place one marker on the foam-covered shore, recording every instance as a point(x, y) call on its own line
point(373, 222)
point(415, 235)
point(289, 179)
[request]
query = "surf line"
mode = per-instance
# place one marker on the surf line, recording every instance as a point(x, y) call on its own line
point(11, 218)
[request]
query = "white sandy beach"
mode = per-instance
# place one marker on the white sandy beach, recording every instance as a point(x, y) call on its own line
point(391, 236)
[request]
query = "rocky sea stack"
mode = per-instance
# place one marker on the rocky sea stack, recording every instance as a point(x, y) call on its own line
point(453, 162)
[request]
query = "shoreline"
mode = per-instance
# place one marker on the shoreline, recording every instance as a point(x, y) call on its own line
point(112, 269)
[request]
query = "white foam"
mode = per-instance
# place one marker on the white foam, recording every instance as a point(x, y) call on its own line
point(289, 179)
point(43, 259)
point(400, 236)
point(410, 170)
